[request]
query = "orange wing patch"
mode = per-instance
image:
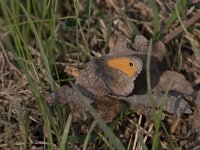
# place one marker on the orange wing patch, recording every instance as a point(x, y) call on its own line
point(123, 64)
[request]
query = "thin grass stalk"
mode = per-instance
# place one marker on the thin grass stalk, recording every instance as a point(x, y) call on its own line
point(155, 10)
point(88, 136)
point(81, 30)
point(65, 133)
point(152, 103)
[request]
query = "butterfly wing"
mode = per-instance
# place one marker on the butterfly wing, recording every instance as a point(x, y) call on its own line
point(89, 83)
point(115, 76)
point(116, 81)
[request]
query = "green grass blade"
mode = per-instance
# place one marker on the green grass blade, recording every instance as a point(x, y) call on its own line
point(171, 142)
point(149, 89)
point(81, 30)
point(155, 10)
point(144, 147)
point(65, 133)
point(88, 136)
point(159, 116)
point(108, 34)
point(156, 140)
point(115, 141)
point(27, 127)
point(108, 132)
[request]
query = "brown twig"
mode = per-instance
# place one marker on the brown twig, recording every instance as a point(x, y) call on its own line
point(179, 29)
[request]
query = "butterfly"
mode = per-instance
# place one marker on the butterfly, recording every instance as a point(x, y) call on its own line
point(113, 73)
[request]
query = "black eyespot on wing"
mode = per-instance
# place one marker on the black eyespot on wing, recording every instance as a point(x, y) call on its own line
point(130, 64)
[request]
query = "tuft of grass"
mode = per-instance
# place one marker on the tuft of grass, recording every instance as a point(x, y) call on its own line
point(40, 47)
point(19, 34)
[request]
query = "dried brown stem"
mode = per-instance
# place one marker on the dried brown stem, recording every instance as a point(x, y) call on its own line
point(179, 29)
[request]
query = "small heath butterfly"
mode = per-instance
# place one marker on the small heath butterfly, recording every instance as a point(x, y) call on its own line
point(113, 73)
